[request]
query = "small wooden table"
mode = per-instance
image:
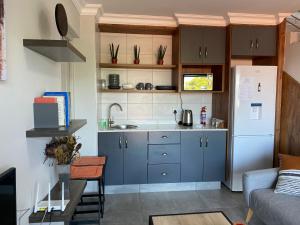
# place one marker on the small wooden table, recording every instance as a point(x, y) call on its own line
point(207, 218)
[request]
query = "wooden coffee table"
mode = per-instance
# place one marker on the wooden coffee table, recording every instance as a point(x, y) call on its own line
point(207, 218)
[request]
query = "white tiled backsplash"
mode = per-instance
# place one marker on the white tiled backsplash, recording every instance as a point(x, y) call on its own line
point(141, 108)
point(147, 108)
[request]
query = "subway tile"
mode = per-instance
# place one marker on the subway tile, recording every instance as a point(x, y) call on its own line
point(139, 98)
point(165, 98)
point(114, 97)
point(139, 111)
point(162, 77)
point(144, 59)
point(164, 111)
point(142, 41)
point(137, 76)
point(196, 98)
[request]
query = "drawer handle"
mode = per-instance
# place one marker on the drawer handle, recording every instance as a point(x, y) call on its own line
point(164, 154)
point(164, 137)
point(164, 174)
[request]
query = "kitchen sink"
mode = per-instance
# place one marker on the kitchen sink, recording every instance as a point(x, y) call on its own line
point(124, 127)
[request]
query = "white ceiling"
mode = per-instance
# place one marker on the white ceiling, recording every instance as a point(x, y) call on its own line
point(202, 7)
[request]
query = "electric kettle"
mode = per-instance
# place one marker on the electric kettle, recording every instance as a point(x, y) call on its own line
point(187, 117)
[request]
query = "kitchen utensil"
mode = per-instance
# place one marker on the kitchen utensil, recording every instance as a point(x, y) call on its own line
point(114, 80)
point(127, 86)
point(148, 86)
point(140, 86)
point(102, 83)
point(187, 117)
point(165, 87)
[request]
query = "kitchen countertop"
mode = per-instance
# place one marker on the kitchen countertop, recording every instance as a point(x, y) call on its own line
point(163, 127)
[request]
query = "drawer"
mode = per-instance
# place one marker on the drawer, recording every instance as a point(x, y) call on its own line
point(164, 173)
point(164, 137)
point(158, 154)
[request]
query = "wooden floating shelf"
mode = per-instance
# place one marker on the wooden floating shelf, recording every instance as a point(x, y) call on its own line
point(53, 132)
point(57, 50)
point(136, 66)
point(134, 91)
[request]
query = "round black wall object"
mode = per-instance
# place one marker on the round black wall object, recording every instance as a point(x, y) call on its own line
point(61, 19)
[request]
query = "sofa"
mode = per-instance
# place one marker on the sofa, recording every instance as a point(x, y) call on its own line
point(268, 207)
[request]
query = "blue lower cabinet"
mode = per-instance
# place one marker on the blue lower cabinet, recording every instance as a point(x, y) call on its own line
point(110, 144)
point(164, 173)
point(158, 154)
point(214, 156)
point(191, 156)
point(135, 158)
point(126, 157)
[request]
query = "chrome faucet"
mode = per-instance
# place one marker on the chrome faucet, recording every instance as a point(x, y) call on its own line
point(110, 121)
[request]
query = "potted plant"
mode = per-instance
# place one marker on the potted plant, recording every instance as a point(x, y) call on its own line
point(113, 53)
point(63, 150)
point(136, 51)
point(161, 54)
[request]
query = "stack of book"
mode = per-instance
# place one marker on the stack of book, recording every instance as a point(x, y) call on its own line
point(52, 110)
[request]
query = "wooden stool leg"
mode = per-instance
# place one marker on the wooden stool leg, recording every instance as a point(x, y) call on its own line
point(249, 215)
point(101, 208)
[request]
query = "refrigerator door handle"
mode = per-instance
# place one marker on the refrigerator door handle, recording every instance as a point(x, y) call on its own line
point(259, 87)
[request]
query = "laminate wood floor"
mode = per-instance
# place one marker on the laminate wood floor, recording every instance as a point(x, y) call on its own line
point(135, 209)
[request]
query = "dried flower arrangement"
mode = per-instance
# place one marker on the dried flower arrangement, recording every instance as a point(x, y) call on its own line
point(63, 149)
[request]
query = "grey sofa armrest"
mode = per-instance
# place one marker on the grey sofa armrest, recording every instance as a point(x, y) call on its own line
point(258, 179)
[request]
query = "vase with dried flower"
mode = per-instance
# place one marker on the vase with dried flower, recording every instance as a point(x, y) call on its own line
point(113, 53)
point(161, 54)
point(136, 51)
point(63, 150)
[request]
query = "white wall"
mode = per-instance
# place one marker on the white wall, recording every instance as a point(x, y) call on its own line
point(29, 75)
point(84, 87)
point(292, 55)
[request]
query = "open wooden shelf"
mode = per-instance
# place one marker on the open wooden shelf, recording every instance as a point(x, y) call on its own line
point(134, 91)
point(53, 132)
point(57, 50)
point(136, 66)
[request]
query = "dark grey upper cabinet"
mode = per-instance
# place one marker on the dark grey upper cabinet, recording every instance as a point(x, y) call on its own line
point(253, 40)
point(214, 43)
point(214, 145)
point(265, 43)
point(241, 40)
point(191, 45)
point(191, 156)
point(111, 145)
point(135, 157)
point(203, 45)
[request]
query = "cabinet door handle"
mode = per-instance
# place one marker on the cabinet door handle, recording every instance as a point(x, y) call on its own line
point(257, 44)
point(164, 154)
point(200, 52)
point(126, 143)
point(164, 173)
point(206, 52)
point(206, 142)
point(201, 142)
point(164, 137)
point(251, 44)
point(120, 142)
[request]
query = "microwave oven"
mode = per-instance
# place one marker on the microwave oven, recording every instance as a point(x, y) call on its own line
point(198, 82)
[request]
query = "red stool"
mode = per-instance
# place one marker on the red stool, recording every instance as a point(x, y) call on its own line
point(91, 169)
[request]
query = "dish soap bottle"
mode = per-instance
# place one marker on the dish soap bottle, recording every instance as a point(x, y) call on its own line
point(203, 115)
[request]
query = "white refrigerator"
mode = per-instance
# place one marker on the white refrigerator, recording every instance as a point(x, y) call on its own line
point(252, 121)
